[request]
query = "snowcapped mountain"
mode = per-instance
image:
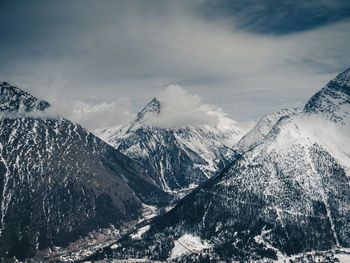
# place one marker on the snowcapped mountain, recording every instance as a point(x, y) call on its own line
point(16, 100)
point(58, 181)
point(177, 157)
point(287, 196)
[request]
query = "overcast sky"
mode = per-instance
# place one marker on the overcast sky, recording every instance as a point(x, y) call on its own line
point(99, 62)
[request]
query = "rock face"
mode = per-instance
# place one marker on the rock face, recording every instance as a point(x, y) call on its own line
point(58, 181)
point(177, 157)
point(289, 194)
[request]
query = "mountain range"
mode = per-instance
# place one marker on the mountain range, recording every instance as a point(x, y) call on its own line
point(179, 157)
point(286, 195)
point(278, 191)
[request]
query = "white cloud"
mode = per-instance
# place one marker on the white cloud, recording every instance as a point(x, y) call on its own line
point(181, 109)
point(93, 116)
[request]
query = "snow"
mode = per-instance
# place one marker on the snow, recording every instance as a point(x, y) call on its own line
point(140, 232)
point(343, 255)
point(344, 258)
point(6, 194)
point(114, 246)
point(264, 126)
point(162, 178)
point(306, 129)
point(149, 211)
point(188, 244)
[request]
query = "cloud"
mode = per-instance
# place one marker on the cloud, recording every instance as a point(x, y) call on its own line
point(94, 116)
point(97, 52)
point(178, 109)
point(91, 116)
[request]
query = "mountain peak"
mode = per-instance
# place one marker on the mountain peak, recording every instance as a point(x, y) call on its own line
point(3, 83)
point(151, 109)
point(13, 99)
point(343, 78)
point(333, 101)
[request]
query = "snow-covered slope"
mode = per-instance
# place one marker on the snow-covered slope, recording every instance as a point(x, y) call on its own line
point(332, 101)
point(287, 196)
point(58, 181)
point(178, 157)
point(261, 129)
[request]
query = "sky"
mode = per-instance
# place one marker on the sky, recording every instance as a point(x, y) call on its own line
point(99, 62)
